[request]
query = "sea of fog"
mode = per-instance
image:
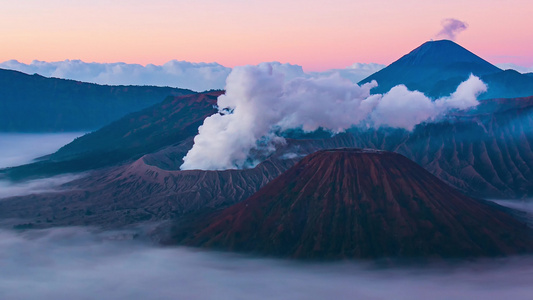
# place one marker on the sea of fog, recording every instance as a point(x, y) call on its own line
point(21, 148)
point(84, 263)
point(76, 263)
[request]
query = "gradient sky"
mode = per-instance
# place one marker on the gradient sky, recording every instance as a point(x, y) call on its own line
point(318, 35)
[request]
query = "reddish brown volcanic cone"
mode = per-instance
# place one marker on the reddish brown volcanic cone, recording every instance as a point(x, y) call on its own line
point(351, 203)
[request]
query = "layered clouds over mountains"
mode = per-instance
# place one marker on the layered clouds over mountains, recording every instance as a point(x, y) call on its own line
point(521, 69)
point(355, 72)
point(180, 74)
point(262, 101)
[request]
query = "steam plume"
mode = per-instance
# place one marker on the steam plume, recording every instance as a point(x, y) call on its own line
point(260, 103)
point(451, 28)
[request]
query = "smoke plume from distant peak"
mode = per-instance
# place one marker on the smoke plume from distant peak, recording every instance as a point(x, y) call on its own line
point(262, 101)
point(451, 28)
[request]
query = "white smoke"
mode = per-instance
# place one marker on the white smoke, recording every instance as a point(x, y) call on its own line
point(180, 74)
point(402, 108)
point(260, 102)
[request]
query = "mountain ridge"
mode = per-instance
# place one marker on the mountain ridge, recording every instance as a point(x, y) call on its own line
point(34, 103)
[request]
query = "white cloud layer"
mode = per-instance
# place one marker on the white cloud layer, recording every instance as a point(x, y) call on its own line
point(261, 101)
point(181, 74)
point(35, 186)
point(75, 263)
point(22, 148)
point(520, 69)
point(354, 73)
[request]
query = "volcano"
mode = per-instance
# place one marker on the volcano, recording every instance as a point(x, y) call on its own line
point(429, 65)
point(436, 68)
point(353, 203)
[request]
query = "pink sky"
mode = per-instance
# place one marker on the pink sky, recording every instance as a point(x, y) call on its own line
point(318, 35)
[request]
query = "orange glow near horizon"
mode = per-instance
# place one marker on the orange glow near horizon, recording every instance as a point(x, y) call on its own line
point(314, 34)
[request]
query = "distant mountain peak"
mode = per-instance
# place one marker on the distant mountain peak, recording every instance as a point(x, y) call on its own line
point(442, 53)
point(435, 68)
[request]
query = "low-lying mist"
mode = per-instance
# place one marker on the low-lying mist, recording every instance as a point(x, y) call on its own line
point(525, 205)
point(21, 148)
point(75, 263)
point(44, 185)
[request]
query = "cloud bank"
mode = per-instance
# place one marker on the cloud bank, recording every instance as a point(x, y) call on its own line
point(354, 73)
point(22, 148)
point(36, 186)
point(76, 263)
point(520, 69)
point(451, 28)
point(525, 205)
point(181, 74)
point(260, 102)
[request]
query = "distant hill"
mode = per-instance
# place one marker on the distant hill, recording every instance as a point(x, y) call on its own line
point(508, 83)
point(436, 68)
point(33, 103)
point(171, 122)
point(529, 74)
point(351, 203)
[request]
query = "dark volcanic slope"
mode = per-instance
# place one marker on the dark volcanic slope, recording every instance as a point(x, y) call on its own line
point(360, 204)
point(139, 192)
point(33, 103)
point(485, 153)
point(508, 83)
point(173, 121)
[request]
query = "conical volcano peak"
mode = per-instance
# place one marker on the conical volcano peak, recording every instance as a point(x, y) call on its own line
point(442, 53)
point(435, 68)
point(359, 203)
